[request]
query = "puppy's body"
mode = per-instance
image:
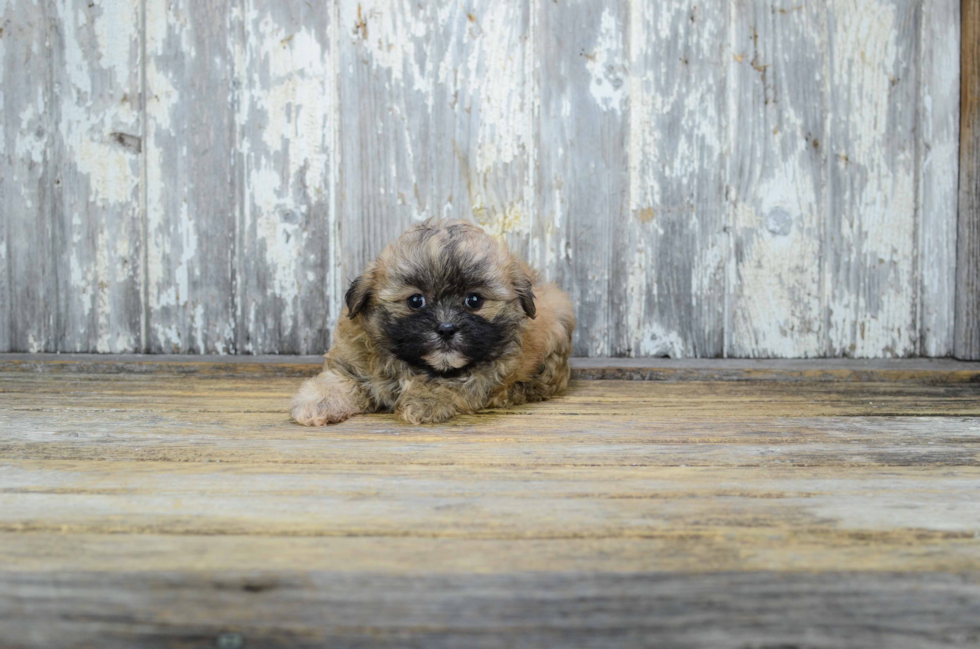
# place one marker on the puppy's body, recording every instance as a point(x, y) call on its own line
point(446, 321)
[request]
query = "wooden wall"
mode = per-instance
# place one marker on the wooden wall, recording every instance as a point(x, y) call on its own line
point(705, 177)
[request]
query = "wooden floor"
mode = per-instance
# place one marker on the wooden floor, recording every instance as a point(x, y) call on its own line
point(180, 508)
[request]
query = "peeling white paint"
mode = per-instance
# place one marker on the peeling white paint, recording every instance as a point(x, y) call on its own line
point(677, 146)
point(468, 76)
point(113, 173)
point(775, 289)
point(287, 115)
point(878, 206)
point(609, 76)
point(939, 53)
point(99, 183)
point(27, 146)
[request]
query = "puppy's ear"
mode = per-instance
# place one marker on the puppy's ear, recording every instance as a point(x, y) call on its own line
point(522, 285)
point(359, 293)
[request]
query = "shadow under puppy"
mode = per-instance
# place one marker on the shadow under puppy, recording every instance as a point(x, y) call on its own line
point(445, 321)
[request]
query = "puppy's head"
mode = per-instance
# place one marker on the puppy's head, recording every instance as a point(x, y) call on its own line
point(444, 297)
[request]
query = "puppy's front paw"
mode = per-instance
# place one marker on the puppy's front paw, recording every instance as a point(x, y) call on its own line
point(319, 413)
point(425, 411)
point(321, 401)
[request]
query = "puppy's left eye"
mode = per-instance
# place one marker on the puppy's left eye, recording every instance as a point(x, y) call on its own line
point(473, 301)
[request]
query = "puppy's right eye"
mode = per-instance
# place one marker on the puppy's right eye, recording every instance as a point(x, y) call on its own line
point(417, 301)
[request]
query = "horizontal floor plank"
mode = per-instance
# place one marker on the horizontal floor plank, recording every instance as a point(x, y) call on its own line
point(460, 502)
point(682, 551)
point(905, 370)
point(314, 609)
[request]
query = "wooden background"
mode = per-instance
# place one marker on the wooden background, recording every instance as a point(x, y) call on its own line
point(705, 177)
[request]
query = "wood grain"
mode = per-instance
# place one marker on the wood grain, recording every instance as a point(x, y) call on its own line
point(676, 240)
point(723, 179)
point(313, 609)
point(582, 180)
point(433, 115)
point(286, 62)
point(967, 343)
point(187, 510)
point(96, 72)
point(27, 176)
point(937, 160)
point(871, 222)
point(193, 187)
point(922, 371)
point(778, 180)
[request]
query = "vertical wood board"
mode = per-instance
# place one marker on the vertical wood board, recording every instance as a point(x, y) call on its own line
point(937, 159)
point(286, 73)
point(871, 228)
point(191, 192)
point(96, 184)
point(677, 244)
point(582, 155)
point(967, 335)
point(27, 171)
point(778, 178)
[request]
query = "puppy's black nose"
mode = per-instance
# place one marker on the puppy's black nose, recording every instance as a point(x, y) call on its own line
point(447, 330)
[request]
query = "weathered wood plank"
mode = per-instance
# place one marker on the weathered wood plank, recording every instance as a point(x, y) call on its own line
point(96, 52)
point(432, 120)
point(930, 371)
point(166, 510)
point(465, 501)
point(676, 244)
point(937, 161)
point(596, 423)
point(27, 177)
point(690, 551)
point(5, 206)
point(581, 181)
point(967, 334)
point(871, 230)
point(288, 115)
point(193, 187)
point(864, 610)
point(778, 176)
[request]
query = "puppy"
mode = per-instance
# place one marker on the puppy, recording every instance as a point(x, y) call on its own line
point(445, 321)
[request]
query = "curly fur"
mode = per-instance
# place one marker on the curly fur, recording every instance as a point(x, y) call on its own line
point(387, 356)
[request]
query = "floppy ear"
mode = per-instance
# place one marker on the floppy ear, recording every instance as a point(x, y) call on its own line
point(359, 293)
point(522, 285)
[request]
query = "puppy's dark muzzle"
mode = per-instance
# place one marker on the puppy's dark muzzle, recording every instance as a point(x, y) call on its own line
point(447, 330)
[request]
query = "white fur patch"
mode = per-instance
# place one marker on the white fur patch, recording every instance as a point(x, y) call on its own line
point(445, 361)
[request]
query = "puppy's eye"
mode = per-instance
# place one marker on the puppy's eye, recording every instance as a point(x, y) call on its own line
point(473, 301)
point(417, 301)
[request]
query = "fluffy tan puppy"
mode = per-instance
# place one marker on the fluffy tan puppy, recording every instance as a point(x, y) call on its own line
point(445, 321)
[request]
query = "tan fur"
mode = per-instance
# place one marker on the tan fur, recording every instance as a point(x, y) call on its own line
point(360, 375)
